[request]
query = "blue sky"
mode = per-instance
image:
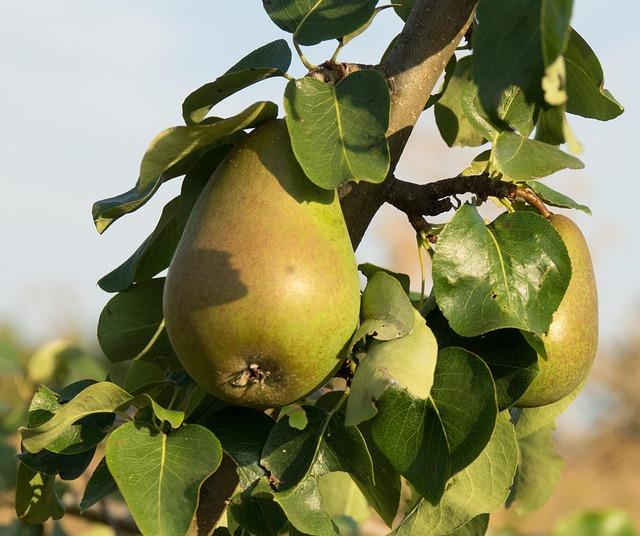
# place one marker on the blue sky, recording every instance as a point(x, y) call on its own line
point(86, 84)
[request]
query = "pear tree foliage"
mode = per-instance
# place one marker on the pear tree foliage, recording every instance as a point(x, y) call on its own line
point(431, 381)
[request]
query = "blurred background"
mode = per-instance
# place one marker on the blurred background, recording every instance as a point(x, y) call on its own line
point(87, 84)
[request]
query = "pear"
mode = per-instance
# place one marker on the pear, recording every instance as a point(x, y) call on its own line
point(572, 339)
point(262, 294)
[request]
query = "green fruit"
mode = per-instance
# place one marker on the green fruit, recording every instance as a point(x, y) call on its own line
point(572, 340)
point(262, 295)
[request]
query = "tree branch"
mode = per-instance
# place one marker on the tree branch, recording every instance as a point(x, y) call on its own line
point(430, 36)
point(431, 199)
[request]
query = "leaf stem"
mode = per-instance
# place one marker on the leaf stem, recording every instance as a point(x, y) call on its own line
point(310, 66)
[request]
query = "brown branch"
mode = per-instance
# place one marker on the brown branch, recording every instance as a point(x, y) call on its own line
point(431, 199)
point(430, 36)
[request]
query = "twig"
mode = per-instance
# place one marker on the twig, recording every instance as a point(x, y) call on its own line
point(431, 199)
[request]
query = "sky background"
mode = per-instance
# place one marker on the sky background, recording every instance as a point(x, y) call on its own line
point(86, 84)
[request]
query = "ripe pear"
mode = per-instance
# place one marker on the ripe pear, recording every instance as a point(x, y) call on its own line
point(262, 294)
point(572, 339)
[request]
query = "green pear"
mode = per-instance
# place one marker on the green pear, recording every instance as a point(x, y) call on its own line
point(262, 295)
point(572, 339)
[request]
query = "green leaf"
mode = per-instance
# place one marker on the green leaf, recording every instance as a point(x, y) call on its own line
point(407, 363)
point(476, 527)
point(174, 417)
point(611, 522)
point(522, 159)
point(243, 433)
point(430, 440)
point(302, 504)
point(272, 59)
point(351, 36)
point(153, 255)
point(131, 325)
point(257, 515)
point(514, 111)
point(341, 497)
point(143, 375)
point(313, 21)
point(100, 485)
point(514, 43)
point(103, 397)
point(403, 8)
point(384, 495)
point(290, 454)
point(369, 270)
point(555, 198)
point(512, 361)
point(539, 471)
point(76, 438)
point(160, 475)
point(386, 311)
point(36, 498)
point(480, 488)
point(585, 83)
point(452, 122)
point(68, 466)
point(512, 273)
point(172, 147)
point(550, 125)
point(338, 133)
point(530, 420)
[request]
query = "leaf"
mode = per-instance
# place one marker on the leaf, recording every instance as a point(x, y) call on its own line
point(452, 122)
point(351, 36)
point(68, 466)
point(555, 198)
point(516, 112)
point(313, 21)
point(342, 498)
point(611, 522)
point(175, 418)
point(36, 498)
point(243, 433)
point(530, 420)
point(585, 83)
point(430, 440)
point(368, 270)
point(512, 273)
point(160, 475)
point(539, 471)
point(172, 147)
point(386, 311)
point(258, 516)
point(290, 454)
point(514, 42)
point(521, 159)
point(476, 527)
point(153, 255)
point(513, 363)
point(302, 504)
point(267, 61)
point(143, 375)
point(550, 125)
point(403, 8)
point(131, 325)
point(384, 494)
point(103, 397)
point(338, 133)
point(480, 488)
point(100, 485)
point(406, 363)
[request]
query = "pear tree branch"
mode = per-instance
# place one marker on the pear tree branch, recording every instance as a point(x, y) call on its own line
point(412, 67)
point(431, 199)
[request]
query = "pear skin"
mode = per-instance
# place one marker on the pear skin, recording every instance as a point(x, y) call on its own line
point(572, 340)
point(262, 295)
